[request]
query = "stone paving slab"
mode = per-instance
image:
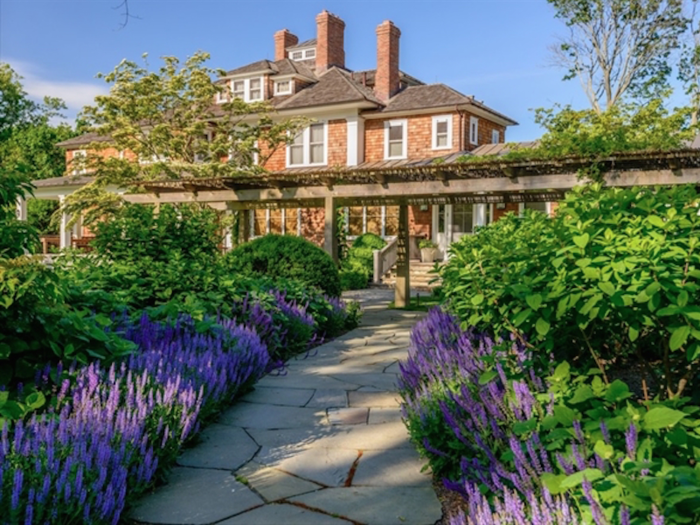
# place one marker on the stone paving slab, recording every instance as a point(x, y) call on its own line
point(296, 380)
point(384, 415)
point(293, 397)
point(348, 416)
point(253, 415)
point(303, 461)
point(393, 467)
point(378, 505)
point(364, 437)
point(373, 399)
point(195, 497)
point(281, 514)
point(327, 466)
point(273, 484)
point(329, 399)
point(221, 447)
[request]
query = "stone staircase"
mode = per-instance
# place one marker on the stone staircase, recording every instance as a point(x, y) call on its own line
point(420, 276)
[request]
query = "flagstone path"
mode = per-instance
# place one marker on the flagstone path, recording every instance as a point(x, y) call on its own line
point(322, 445)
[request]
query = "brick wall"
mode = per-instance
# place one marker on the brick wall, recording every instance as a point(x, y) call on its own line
point(419, 221)
point(486, 127)
point(283, 40)
point(420, 141)
point(330, 41)
point(509, 207)
point(312, 224)
point(278, 160)
point(337, 142)
point(387, 77)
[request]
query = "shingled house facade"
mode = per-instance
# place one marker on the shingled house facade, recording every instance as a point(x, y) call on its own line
point(380, 116)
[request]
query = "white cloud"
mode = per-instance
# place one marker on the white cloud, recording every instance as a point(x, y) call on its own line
point(74, 94)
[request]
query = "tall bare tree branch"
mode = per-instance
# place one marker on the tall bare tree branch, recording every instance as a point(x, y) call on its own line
point(619, 48)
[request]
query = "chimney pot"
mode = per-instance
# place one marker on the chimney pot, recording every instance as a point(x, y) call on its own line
point(283, 40)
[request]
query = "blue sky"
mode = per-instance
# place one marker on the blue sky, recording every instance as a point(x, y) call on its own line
point(496, 50)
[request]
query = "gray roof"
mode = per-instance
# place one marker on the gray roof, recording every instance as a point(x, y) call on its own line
point(260, 65)
point(434, 96)
point(83, 140)
point(368, 76)
point(333, 87)
point(426, 96)
point(306, 43)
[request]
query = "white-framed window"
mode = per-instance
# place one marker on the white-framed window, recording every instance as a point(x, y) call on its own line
point(303, 54)
point(473, 130)
point(283, 87)
point(247, 89)
point(442, 132)
point(395, 141)
point(309, 148)
point(78, 162)
point(495, 136)
point(222, 96)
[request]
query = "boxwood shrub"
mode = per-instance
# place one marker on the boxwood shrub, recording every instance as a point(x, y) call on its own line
point(287, 257)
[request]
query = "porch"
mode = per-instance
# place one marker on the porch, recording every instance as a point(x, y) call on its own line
point(457, 192)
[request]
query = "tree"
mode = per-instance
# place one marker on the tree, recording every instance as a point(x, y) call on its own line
point(619, 48)
point(166, 125)
point(28, 140)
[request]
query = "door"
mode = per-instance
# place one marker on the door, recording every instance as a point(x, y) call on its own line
point(452, 221)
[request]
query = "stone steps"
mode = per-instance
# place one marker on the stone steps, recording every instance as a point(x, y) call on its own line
point(420, 275)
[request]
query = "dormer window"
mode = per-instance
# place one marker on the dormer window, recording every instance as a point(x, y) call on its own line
point(247, 89)
point(283, 87)
point(303, 54)
point(78, 162)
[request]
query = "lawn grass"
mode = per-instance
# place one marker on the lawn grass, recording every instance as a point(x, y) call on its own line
point(419, 303)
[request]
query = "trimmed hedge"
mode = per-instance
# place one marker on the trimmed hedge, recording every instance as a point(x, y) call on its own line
point(287, 257)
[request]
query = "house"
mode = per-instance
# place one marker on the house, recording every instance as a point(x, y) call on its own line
point(381, 116)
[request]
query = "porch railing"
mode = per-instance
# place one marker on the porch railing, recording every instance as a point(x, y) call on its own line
point(385, 259)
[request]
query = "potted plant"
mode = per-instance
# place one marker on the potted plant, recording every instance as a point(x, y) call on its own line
point(428, 250)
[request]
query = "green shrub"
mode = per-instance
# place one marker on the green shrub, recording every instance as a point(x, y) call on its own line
point(614, 275)
point(287, 257)
point(353, 278)
point(139, 233)
point(369, 240)
point(358, 267)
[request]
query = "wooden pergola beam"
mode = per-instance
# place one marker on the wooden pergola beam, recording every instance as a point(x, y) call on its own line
point(425, 189)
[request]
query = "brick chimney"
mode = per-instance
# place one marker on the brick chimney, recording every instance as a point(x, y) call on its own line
point(283, 40)
point(330, 41)
point(387, 82)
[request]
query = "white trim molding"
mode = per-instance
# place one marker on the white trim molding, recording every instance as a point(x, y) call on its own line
point(473, 130)
point(404, 138)
point(306, 147)
point(437, 120)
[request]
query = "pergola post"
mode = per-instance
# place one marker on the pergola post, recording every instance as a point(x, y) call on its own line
point(21, 209)
point(64, 232)
point(402, 289)
point(330, 230)
point(244, 225)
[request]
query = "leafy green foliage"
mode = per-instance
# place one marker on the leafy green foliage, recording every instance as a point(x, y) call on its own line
point(615, 274)
point(287, 257)
point(169, 122)
point(16, 236)
point(619, 49)
point(357, 268)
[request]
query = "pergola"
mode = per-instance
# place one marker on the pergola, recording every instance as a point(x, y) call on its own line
point(459, 178)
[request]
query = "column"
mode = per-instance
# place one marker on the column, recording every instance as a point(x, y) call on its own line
point(480, 215)
point(402, 289)
point(330, 230)
point(78, 227)
point(21, 209)
point(244, 224)
point(64, 231)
